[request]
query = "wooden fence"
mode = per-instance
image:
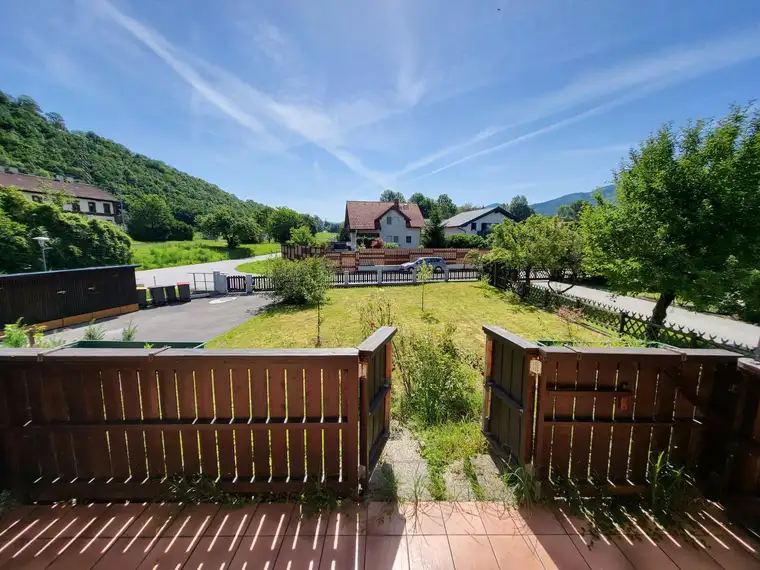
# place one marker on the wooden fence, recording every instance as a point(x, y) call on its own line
point(67, 297)
point(108, 424)
point(602, 415)
point(353, 260)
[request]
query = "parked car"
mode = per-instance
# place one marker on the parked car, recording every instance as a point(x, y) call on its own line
point(437, 262)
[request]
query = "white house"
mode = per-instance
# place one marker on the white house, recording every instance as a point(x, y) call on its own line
point(394, 222)
point(476, 222)
point(87, 200)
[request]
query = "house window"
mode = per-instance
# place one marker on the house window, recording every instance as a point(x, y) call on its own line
point(107, 208)
point(36, 198)
point(484, 227)
point(395, 239)
point(408, 239)
point(91, 207)
point(474, 226)
point(389, 220)
point(75, 207)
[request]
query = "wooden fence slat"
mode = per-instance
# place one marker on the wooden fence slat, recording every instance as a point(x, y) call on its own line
point(665, 401)
point(205, 377)
point(191, 460)
point(314, 433)
point(296, 439)
point(170, 412)
point(604, 408)
point(241, 411)
point(621, 434)
point(350, 410)
point(331, 402)
point(584, 409)
point(260, 406)
point(224, 413)
point(277, 409)
point(561, 441)
point(644, 409)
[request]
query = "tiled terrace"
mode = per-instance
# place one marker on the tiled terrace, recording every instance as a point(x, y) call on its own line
point(459, 536)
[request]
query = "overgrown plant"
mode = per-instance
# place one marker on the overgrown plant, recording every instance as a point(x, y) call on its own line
point(94, 332)
point(15, 335)
point(523, 484)
point(129, 332)
point(199, 488)
point(424, 274)
point(375, 313)
point(570, 316)
point(445, 444)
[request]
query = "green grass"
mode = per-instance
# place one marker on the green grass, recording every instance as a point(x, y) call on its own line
point(468, 305)
point(256, 267)
point(445, 444)
point(325, 236)
point(152, 255)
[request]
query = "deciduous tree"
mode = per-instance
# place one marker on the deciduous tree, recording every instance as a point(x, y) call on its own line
point(433, 234)
point(519, 208)
point(391, 196)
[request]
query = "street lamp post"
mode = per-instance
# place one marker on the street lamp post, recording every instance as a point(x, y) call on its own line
point(42, 240)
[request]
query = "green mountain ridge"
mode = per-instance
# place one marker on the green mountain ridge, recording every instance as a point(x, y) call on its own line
point(550, 207)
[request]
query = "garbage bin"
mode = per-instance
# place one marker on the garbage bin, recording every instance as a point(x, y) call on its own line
point(184, 291)
point(158, 294)
point(171, 293)
point(142, 297)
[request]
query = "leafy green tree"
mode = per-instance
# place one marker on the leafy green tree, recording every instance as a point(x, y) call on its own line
point(302, 236)
point(234, 227)
point(519, 208)
point(180, 231)
point(391, 196)
point(343, 234)
point(424, 274)
point(281, 221)
point(571, 212)
point(433, 234)
point(685, 223)
point(426, 204)
point(16, 249)
point(445, 206)
point(149, 218)
point(466, 207)
point(465, 241)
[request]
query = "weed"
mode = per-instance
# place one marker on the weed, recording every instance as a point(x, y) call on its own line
point(147, 345)
point(7, 500)
point(444, 444)
point(199, 488)
point(522, 482)
point(94, 332)
point(375, 313)
point(469, 472)
point(318, 498)
point(129, 332)
point(570, 316)
point(15, 335)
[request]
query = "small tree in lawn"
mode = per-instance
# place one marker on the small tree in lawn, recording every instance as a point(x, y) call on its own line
point(424, 274)
point(685, 223)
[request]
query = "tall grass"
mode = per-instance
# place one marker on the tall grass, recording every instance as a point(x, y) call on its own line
point(173, 253)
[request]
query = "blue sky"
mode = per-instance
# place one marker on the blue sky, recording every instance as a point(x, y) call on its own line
point(307, 103)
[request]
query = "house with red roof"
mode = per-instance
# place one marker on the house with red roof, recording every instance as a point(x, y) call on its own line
point(394, 222)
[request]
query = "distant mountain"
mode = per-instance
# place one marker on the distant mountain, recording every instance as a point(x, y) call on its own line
point(550, 207)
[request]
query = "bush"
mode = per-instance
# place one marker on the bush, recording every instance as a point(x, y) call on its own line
point(150, 218)
point(302, 236)
point(465, 241)
point(299, 282)
point(438, 386)
point(391, 245)
point(180, 231)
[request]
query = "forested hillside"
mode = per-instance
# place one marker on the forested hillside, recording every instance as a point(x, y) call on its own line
point(39, 143)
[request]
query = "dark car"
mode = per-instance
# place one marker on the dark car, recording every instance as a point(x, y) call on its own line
point(437, 262)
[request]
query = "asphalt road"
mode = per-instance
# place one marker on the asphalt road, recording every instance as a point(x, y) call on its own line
point(736, 331)
point(202, 319)
point(171, 275)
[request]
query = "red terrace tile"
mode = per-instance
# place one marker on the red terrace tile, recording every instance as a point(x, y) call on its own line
point(429, 552)
point(557, 552)
point(124, 554)
point(229, 522)
point(349, 520)
point(257, 553)
point(305, 523)
point(343, 553)
point(385, 519)
point(730, 556)
point(299, 553)
point(573, 525)
point(537, 520)
point(167, 553)
point(472, 553)
point(210, 553)
point(601, 555)
point(644, 555)
point(497, 518)
point(386, 553)
point(117, 518)
point(81, 554)
point(12, 519)
point(21, 532)
point(270, 519)
point(514, 552)
point(152, 520)
point(191, 520)
point(424, 518)
point(87, 520)
point(45, 515)
point(462, 518)
point(36, 556)
point(687, 555)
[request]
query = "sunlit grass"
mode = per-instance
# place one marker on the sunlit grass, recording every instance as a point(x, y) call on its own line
point(152, 255)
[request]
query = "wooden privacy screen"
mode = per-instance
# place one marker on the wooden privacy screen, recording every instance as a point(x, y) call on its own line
point(109, 424)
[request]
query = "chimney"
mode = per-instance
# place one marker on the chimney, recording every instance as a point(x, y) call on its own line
point(59, 178)
point(395, 203)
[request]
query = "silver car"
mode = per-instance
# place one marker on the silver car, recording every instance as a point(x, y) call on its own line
point(437, 262)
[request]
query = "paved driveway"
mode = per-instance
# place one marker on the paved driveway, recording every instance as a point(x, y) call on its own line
point(202, 319)
point(736, 331)
point(171, 275)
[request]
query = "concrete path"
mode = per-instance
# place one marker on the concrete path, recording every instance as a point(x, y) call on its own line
point(736, 331)
point(171, 275)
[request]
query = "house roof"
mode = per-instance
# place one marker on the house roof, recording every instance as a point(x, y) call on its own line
point(364, 215)
point(33, 183)
point(469, 216)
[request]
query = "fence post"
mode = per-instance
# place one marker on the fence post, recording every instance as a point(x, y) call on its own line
point(379, 276)
point(248, 284)
point(345, 277)
point(414, 276)
point(220, 283)
point(623, 317)
point(445, 273)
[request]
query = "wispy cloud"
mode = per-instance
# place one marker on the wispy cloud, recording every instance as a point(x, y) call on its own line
point(621, 148)
point(642, 76)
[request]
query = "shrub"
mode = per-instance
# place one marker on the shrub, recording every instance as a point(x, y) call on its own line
point(438, 386)
point(391, 245)
point(302, 236)
point(466, 241)
point(180, 231)
point(298, 282)
point(377, 243)
point(94, 332)
point(15, 336)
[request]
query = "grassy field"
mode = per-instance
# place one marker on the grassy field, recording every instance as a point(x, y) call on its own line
point(325, 236)
point(256, 267)
point(152, 255)
point(468, 305)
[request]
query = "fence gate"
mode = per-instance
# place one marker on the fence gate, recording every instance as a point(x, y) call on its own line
point(236, 283)
point(375, 362)
point(508, 393)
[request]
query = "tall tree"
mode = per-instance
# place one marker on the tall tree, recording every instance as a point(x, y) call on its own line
point(234, 227)
point(445, 206)
point(391, 196)
point(571, 212)
point(149, 218)
point(426, 204)
point(519, 208)
point(433, 234)
point(281, 221)
point(685, 221)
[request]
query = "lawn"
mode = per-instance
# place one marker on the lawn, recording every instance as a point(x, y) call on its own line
point(468, 305)
point(152, 255)
point(325, 236)
point(255, 267)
